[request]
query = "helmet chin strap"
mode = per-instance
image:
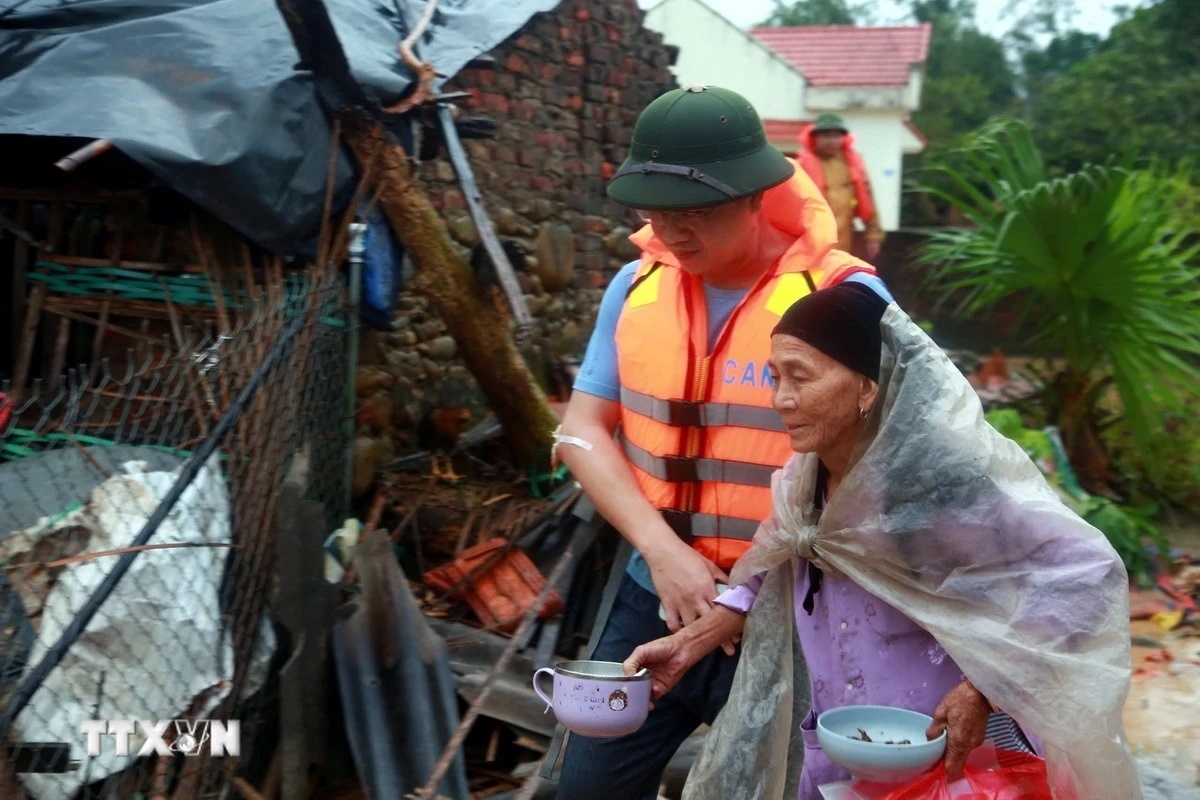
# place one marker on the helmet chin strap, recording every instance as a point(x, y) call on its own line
point(691, 173)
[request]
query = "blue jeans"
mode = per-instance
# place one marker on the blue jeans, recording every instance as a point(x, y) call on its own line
point(631, 767)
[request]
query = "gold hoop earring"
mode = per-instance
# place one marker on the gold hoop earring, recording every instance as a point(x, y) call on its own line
point(863, 412)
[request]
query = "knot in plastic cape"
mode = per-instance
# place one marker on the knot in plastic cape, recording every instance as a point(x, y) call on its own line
point(805, 541)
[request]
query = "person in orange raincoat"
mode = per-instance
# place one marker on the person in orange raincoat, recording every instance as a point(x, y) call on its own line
point(828, 156)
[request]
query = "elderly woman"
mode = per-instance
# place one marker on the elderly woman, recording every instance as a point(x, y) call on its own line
point(925, 563)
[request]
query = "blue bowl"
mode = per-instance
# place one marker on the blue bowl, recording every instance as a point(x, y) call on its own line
point(839, 731)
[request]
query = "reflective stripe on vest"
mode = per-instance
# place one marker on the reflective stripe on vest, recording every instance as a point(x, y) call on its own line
point(705, 438)
point(689, 525)
point(719, 468)
point(681, 469)
point(689, 414)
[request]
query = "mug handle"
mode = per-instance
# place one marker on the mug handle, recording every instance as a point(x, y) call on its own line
point(538, 689)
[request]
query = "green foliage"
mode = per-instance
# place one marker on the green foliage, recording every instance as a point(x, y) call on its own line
point(1041, 67)
point(1133, 95)
point(1139, 93)
point(968, 80)
point(1172, 473)
point(1095, 259)
point(1187, 201)
point(955, 13)
point(1129, 530)
point(956, 51)
point(817, 12)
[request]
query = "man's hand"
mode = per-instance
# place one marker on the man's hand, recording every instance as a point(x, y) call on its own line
point(686, 582)
point(872, 249)
point(963, 714)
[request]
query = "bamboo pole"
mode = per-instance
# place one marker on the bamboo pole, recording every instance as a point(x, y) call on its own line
point(510, 649)
point(33, 316)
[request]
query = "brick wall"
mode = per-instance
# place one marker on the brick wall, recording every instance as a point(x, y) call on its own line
point(565, 93)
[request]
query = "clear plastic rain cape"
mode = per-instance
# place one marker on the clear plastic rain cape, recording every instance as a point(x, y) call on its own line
point(945, 519)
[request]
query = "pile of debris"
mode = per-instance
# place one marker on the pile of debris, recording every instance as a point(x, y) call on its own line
point(451, 593)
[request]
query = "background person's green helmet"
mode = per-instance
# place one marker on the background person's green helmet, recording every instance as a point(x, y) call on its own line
point(697, 147)
point(829, 122)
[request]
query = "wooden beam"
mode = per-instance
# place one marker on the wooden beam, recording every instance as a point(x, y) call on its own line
point(98, 342)
point(143, 266)
point(26, 341)
point(58, 361)
point(20, 264)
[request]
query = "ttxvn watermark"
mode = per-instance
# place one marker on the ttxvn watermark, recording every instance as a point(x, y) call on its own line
point(191, 737)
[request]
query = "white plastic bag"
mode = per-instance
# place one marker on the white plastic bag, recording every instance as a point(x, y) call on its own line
point(155, 643)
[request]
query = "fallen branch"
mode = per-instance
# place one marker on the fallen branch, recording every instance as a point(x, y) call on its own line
point(531, 783)
point(480, 330)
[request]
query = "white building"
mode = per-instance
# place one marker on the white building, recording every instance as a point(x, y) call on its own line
point(871, 77)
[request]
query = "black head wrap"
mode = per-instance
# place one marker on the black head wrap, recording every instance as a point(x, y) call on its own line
point(842, 322)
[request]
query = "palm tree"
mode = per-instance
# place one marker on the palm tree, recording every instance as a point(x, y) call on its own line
point(1098, 263)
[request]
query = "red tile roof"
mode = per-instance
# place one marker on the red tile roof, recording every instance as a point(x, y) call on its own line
point(845, 55)
point(779, 130)
point(908, 123)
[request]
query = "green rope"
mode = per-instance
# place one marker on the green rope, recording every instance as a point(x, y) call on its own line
point(542, 484)
point(18, 441)
point(185, 290)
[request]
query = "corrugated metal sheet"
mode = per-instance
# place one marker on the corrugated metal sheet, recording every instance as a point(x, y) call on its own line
point(397, 689)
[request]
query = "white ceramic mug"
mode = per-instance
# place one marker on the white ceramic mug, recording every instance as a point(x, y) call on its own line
point(596, 698)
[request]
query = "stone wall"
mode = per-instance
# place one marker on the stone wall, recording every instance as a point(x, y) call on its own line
point(565, 92)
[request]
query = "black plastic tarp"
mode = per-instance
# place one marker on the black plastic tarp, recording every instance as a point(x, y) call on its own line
point(205, 94)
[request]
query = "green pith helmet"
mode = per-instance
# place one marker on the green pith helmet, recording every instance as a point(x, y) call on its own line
point(697, 147)
point(829, 122)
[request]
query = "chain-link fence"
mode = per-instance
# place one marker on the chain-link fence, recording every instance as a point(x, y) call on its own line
point(137, 528)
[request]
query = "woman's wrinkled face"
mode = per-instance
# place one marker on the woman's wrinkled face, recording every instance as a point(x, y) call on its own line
point(819, 399)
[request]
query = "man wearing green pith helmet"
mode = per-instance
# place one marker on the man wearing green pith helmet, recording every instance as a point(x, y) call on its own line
point(734, 234)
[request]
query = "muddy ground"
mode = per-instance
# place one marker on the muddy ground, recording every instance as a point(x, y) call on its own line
point(1164, 700)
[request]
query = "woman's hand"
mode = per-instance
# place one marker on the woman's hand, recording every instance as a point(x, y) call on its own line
point(963, 714)
point(667, 659)
point(670, 657)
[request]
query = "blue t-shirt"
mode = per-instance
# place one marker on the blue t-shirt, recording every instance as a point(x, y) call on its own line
point(598, 374)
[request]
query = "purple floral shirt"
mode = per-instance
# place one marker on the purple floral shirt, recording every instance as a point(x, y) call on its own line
point(859, 651)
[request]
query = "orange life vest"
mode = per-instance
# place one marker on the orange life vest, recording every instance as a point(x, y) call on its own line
point(697, 426)
point(811, 162)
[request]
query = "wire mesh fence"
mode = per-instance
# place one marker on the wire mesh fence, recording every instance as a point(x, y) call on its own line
point(137, 531)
